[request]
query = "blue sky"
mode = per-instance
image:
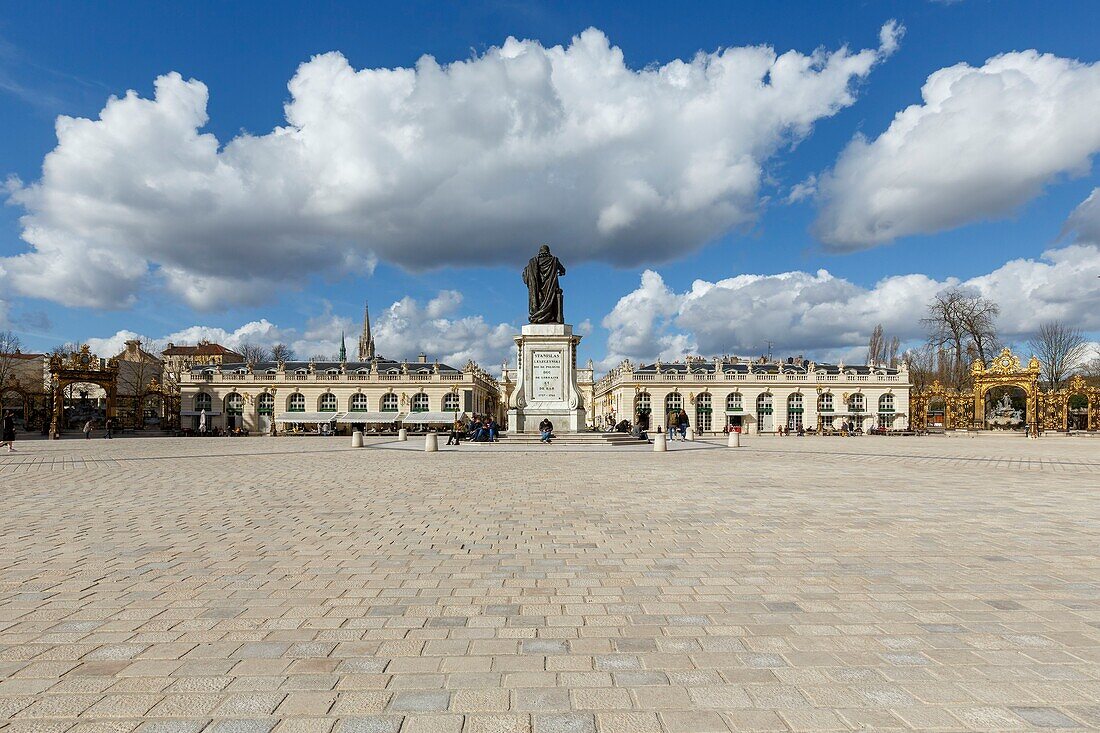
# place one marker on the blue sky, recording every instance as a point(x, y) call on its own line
point(69, 58)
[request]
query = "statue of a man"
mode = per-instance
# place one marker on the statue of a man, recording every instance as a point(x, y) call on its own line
point(544, 303)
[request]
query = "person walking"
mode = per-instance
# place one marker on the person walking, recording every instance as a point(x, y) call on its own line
point(546, 430)
point(87, 429)
point(109, 425)
point(682, 423)
point(7, 431)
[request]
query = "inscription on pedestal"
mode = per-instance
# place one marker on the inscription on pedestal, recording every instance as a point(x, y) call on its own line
point(546, 376)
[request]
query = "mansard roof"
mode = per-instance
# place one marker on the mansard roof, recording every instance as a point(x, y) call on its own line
point(384, 365)
point(700, 366)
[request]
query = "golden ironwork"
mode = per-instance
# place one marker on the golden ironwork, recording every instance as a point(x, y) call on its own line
point(81, 366)
point(1044, 410)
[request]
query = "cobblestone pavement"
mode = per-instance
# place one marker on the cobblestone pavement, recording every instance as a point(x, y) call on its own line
point(793, 584)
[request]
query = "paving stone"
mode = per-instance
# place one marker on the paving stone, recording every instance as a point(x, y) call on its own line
point(951, 588)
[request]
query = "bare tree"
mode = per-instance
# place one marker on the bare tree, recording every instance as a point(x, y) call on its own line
point(881, 350)
point(1060, 348)
point(961, 324)
point(9, 345)
point(253, 353)
point(921, 364)
point(979, 319)
point(282, 352)
point(876, 345)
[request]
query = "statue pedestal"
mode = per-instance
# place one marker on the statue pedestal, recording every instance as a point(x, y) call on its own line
point(546, 355)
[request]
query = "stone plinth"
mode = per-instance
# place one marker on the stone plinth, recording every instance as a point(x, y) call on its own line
point(546, 355)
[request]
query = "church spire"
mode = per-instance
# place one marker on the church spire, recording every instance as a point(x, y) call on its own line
point(366, 340)
point(343, 348)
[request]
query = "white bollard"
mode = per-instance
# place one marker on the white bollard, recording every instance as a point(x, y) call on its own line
point(660, 443)
point(690, 433)
point(431, 443)
point(402, 434)
point(734, 439)
point(357, 439)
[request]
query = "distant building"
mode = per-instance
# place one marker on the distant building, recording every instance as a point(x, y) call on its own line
point(757, 396)
point(24, 388)
point(336, 395)
point(179, 359)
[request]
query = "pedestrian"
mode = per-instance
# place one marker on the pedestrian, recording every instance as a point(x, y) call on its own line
point(546, 430)
point(456, 432)
point(493, 429)
point(109, 425)
point(682, 423)
point(88, 430)
point(7, 431)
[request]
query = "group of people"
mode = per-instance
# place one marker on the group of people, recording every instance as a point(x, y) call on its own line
point(678, 424)
point(108, 426)
point(480, 429)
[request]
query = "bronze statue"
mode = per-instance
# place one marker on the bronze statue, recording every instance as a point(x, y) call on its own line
point(544, 303)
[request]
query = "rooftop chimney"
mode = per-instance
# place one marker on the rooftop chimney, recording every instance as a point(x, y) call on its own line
point(422, 358)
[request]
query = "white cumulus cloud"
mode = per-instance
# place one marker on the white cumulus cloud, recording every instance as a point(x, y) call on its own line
point(826, 316)
point(472, 162)
point(983, 142)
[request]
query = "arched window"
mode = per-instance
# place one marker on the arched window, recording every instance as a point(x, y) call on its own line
point(296, 403)
point(203, 401)
point(234, 404)
point(794, 411)
point(856, 403)
point(272, 371)
point(327, 403)
point(450, 402)
point(764, 403)
point(643, 404)
point(419, 402)
point(674, 401)
point(703, 412)
point(825, 402)
point(886, 403)
point(733, 402)
point(359, 403)
point(389, 402)
point(265, 404)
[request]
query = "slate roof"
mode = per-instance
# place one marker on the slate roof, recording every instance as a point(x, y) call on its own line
point(742, 367)
point(384, 366)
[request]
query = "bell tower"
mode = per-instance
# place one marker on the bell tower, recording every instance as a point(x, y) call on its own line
point(366, 340)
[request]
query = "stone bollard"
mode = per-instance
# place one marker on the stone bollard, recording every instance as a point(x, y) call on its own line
point(660, 443)
point(402, 434)
point(734, 439)
point(431, 443)
point(690, 433)
point(357, 439)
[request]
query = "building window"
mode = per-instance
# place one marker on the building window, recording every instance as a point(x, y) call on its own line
point(856, 403)
point(674, 401)
point(296, 403)
point(203, 401)
point(825, 402)
point(234, 404)
point(359, 403)
point(419, 402)
point(389, 402)
point(703, 413)
point(765, 423)
point(794, 411)
point(272, 371)
point(643, 404)
point(733, 402)
point(886, 403)
point(450, 402)
point(327, 403)
point(265, 404)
